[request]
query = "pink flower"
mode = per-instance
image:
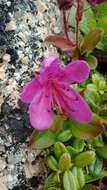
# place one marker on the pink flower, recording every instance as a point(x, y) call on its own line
point(94, 2)
point(51, 89)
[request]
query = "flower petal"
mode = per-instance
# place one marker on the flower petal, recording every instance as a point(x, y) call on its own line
point(75, 107)
point(29, 91)
point(80, 110)
point(51, 68)
point(76, 71)
point(40, 117)
point(50, 61)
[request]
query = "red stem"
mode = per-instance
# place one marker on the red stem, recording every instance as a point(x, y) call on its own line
point(77, 25)
point(65, 24)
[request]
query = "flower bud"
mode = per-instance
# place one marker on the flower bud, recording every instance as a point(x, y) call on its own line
point(65, 4)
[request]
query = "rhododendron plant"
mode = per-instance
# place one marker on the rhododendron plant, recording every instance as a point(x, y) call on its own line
point(50, 90)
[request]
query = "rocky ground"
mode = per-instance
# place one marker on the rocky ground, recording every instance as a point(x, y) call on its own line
point(24, 24)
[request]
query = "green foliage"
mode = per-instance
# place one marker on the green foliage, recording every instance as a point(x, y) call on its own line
point(90, 40)
point(102, 151)
point(65, 135)
point(69, 171)
point(69, 181)
point(65, 162)
point(93, 18)
point(41, 140)
point(96, 168)
point(100, 11)
point(84, 159)
point(92, 61)
point(86, 131)
point(90, 187)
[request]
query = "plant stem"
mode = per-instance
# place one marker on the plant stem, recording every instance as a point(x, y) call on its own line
point(79, 14)
point(77, 26)
point(65, 24)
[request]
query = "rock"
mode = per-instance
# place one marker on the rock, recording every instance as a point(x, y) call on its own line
point(2, 72)
point(2, 149)
point(2, 164)
point(41, 7)
point(11, 26)
point(30, 157)
point(3, 186)
point(6, 58)
point(23, 28)
point(25, 60)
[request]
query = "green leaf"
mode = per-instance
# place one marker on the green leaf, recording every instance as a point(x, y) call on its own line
point(102, 45)
point(71, 17)
point(97, 141)
point(78, 144)
point(52, 182)
point(90, 187)
point(88, 21)
point(65, 162)
point(90, 40)
point(64, 136)
point(69, 182)
point(85, 158)
point(72, 151)
point(41, 140)
point(80, 177)
point(87, 131)
point(59, 149)
point(102, 23)
point(92, 60)
point(75, 174)
point(93, 98)
point(102, 151)
point(96, 168)
point(90, 178)
point(57, 124)
point(101, 10)
point(52, 163)
point(54, 188)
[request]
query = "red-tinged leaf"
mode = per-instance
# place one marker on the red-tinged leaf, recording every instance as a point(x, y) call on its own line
point(41, 140)
point(92, 60)
point(90, 40)
point(88, 131)
point(57, 124)
point(60, 41)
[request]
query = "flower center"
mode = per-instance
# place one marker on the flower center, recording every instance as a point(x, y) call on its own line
point(59, 94)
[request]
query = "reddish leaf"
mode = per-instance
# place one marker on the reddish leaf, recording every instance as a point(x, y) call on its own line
point(41, 140)
point(60, 41)
point(88, 131)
